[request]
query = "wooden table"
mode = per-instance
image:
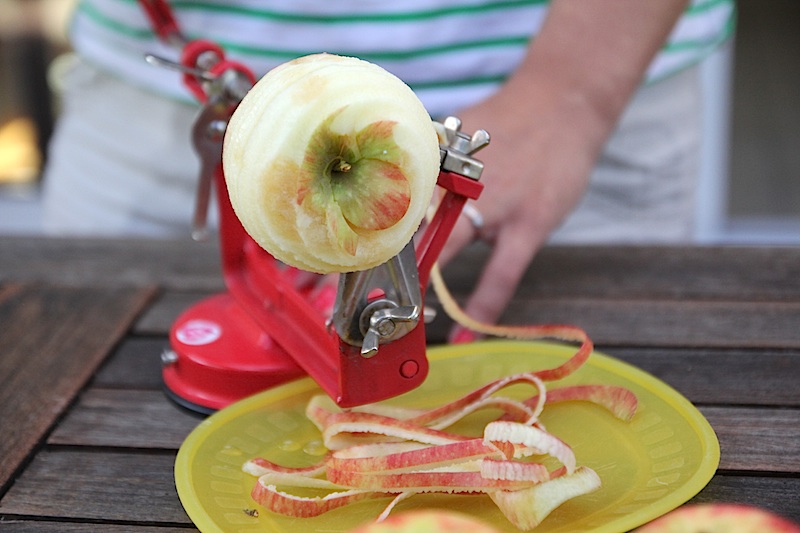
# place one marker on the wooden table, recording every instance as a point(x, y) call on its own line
point(89, 439)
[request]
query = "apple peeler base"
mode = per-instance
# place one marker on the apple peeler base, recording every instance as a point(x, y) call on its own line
point(220, 355)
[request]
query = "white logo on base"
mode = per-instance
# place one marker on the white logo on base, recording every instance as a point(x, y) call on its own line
point(199, 332)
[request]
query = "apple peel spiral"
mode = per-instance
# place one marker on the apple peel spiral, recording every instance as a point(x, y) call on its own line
point(330, 163)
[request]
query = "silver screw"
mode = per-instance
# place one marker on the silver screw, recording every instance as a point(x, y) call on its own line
point(169, 357)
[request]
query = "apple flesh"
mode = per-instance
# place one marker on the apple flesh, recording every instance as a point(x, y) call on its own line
point(427, 521)
point(330, 163)
point(528, 507)
point(720, 518)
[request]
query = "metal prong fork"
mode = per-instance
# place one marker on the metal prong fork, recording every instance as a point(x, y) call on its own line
point(208, 133)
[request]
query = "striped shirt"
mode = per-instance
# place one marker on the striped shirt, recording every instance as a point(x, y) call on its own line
point(453, 53)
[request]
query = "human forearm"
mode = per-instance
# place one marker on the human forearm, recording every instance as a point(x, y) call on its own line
point(548, 124)
point(554, 115)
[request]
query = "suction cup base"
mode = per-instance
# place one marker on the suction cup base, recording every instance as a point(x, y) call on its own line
point(220, 356)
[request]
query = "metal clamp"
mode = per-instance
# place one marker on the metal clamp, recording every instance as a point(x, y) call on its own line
point(380, 304)
point(456, 147)
point(384, 322)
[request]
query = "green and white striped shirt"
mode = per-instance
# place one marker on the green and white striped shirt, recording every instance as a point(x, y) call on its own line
point(453, 53)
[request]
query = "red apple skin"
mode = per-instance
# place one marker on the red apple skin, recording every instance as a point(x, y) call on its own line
point(427, 521)
point(720, 518)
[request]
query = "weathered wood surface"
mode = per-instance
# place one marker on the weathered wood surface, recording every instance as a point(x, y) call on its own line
point(777, 494)
point(750, 377)
point(125, 418)
point(734, 377)
point(757, 439)
point(87, 485)
point(12, 525)
point(681, 322)
point(611, 321)
point(170, 304)
point(138, 487)
point(718, 325)
point(52, 339)
point(624, 272)
point(99, 262)
point(751, 439)
point(651, 272)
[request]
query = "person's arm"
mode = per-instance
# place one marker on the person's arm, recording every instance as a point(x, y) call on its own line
point(548, 125)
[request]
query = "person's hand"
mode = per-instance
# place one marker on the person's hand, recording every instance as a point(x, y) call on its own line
point(547, 125)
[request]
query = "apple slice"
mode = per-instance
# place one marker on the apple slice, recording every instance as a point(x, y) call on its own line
point(427, 521)
point(330, 163)
point(720, 518)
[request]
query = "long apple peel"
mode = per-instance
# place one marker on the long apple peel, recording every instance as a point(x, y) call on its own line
point(619, 401)
point(443, 481)
point(495, 472)
point(370, 458)
point(450, 482)
point(532, 438)
point(320, 408)
point(266, 493)
point(350, 481)
point(259, 466)
point(452, 412)
point(464, 470)
point(333, 422)
point(335, 437)
point(348, 428)
point(539, 332)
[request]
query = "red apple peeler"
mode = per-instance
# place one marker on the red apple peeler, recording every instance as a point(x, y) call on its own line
point(274, 323)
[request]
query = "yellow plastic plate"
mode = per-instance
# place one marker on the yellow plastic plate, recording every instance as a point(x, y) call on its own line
point(648, 466)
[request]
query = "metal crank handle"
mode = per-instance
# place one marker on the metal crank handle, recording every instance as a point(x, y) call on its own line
point(159, 61)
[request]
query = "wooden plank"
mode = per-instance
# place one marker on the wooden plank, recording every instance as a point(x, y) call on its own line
point(125, 487)
point(178, 263)
point(90, 485)
point(757, 439)
point(660, 272)
point(777, 494)
point(165, 310)
point(125, 418)
point(23, 525)
point(656, 323)
point(53, 339)
point(664, 272)
point(750, 377)
point(751, 439)
point(136, 363)
point(669, 323)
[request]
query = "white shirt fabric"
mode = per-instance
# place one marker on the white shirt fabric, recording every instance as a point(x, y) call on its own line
point(453, 53)
point(121, 162)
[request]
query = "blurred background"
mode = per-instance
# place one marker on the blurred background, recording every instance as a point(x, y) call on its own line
point(750, 190)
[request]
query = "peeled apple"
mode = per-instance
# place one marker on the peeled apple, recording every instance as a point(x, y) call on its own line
point(330, 163)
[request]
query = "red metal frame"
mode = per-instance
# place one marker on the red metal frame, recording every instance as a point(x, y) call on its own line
point(264, 330)
point(271, 331)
